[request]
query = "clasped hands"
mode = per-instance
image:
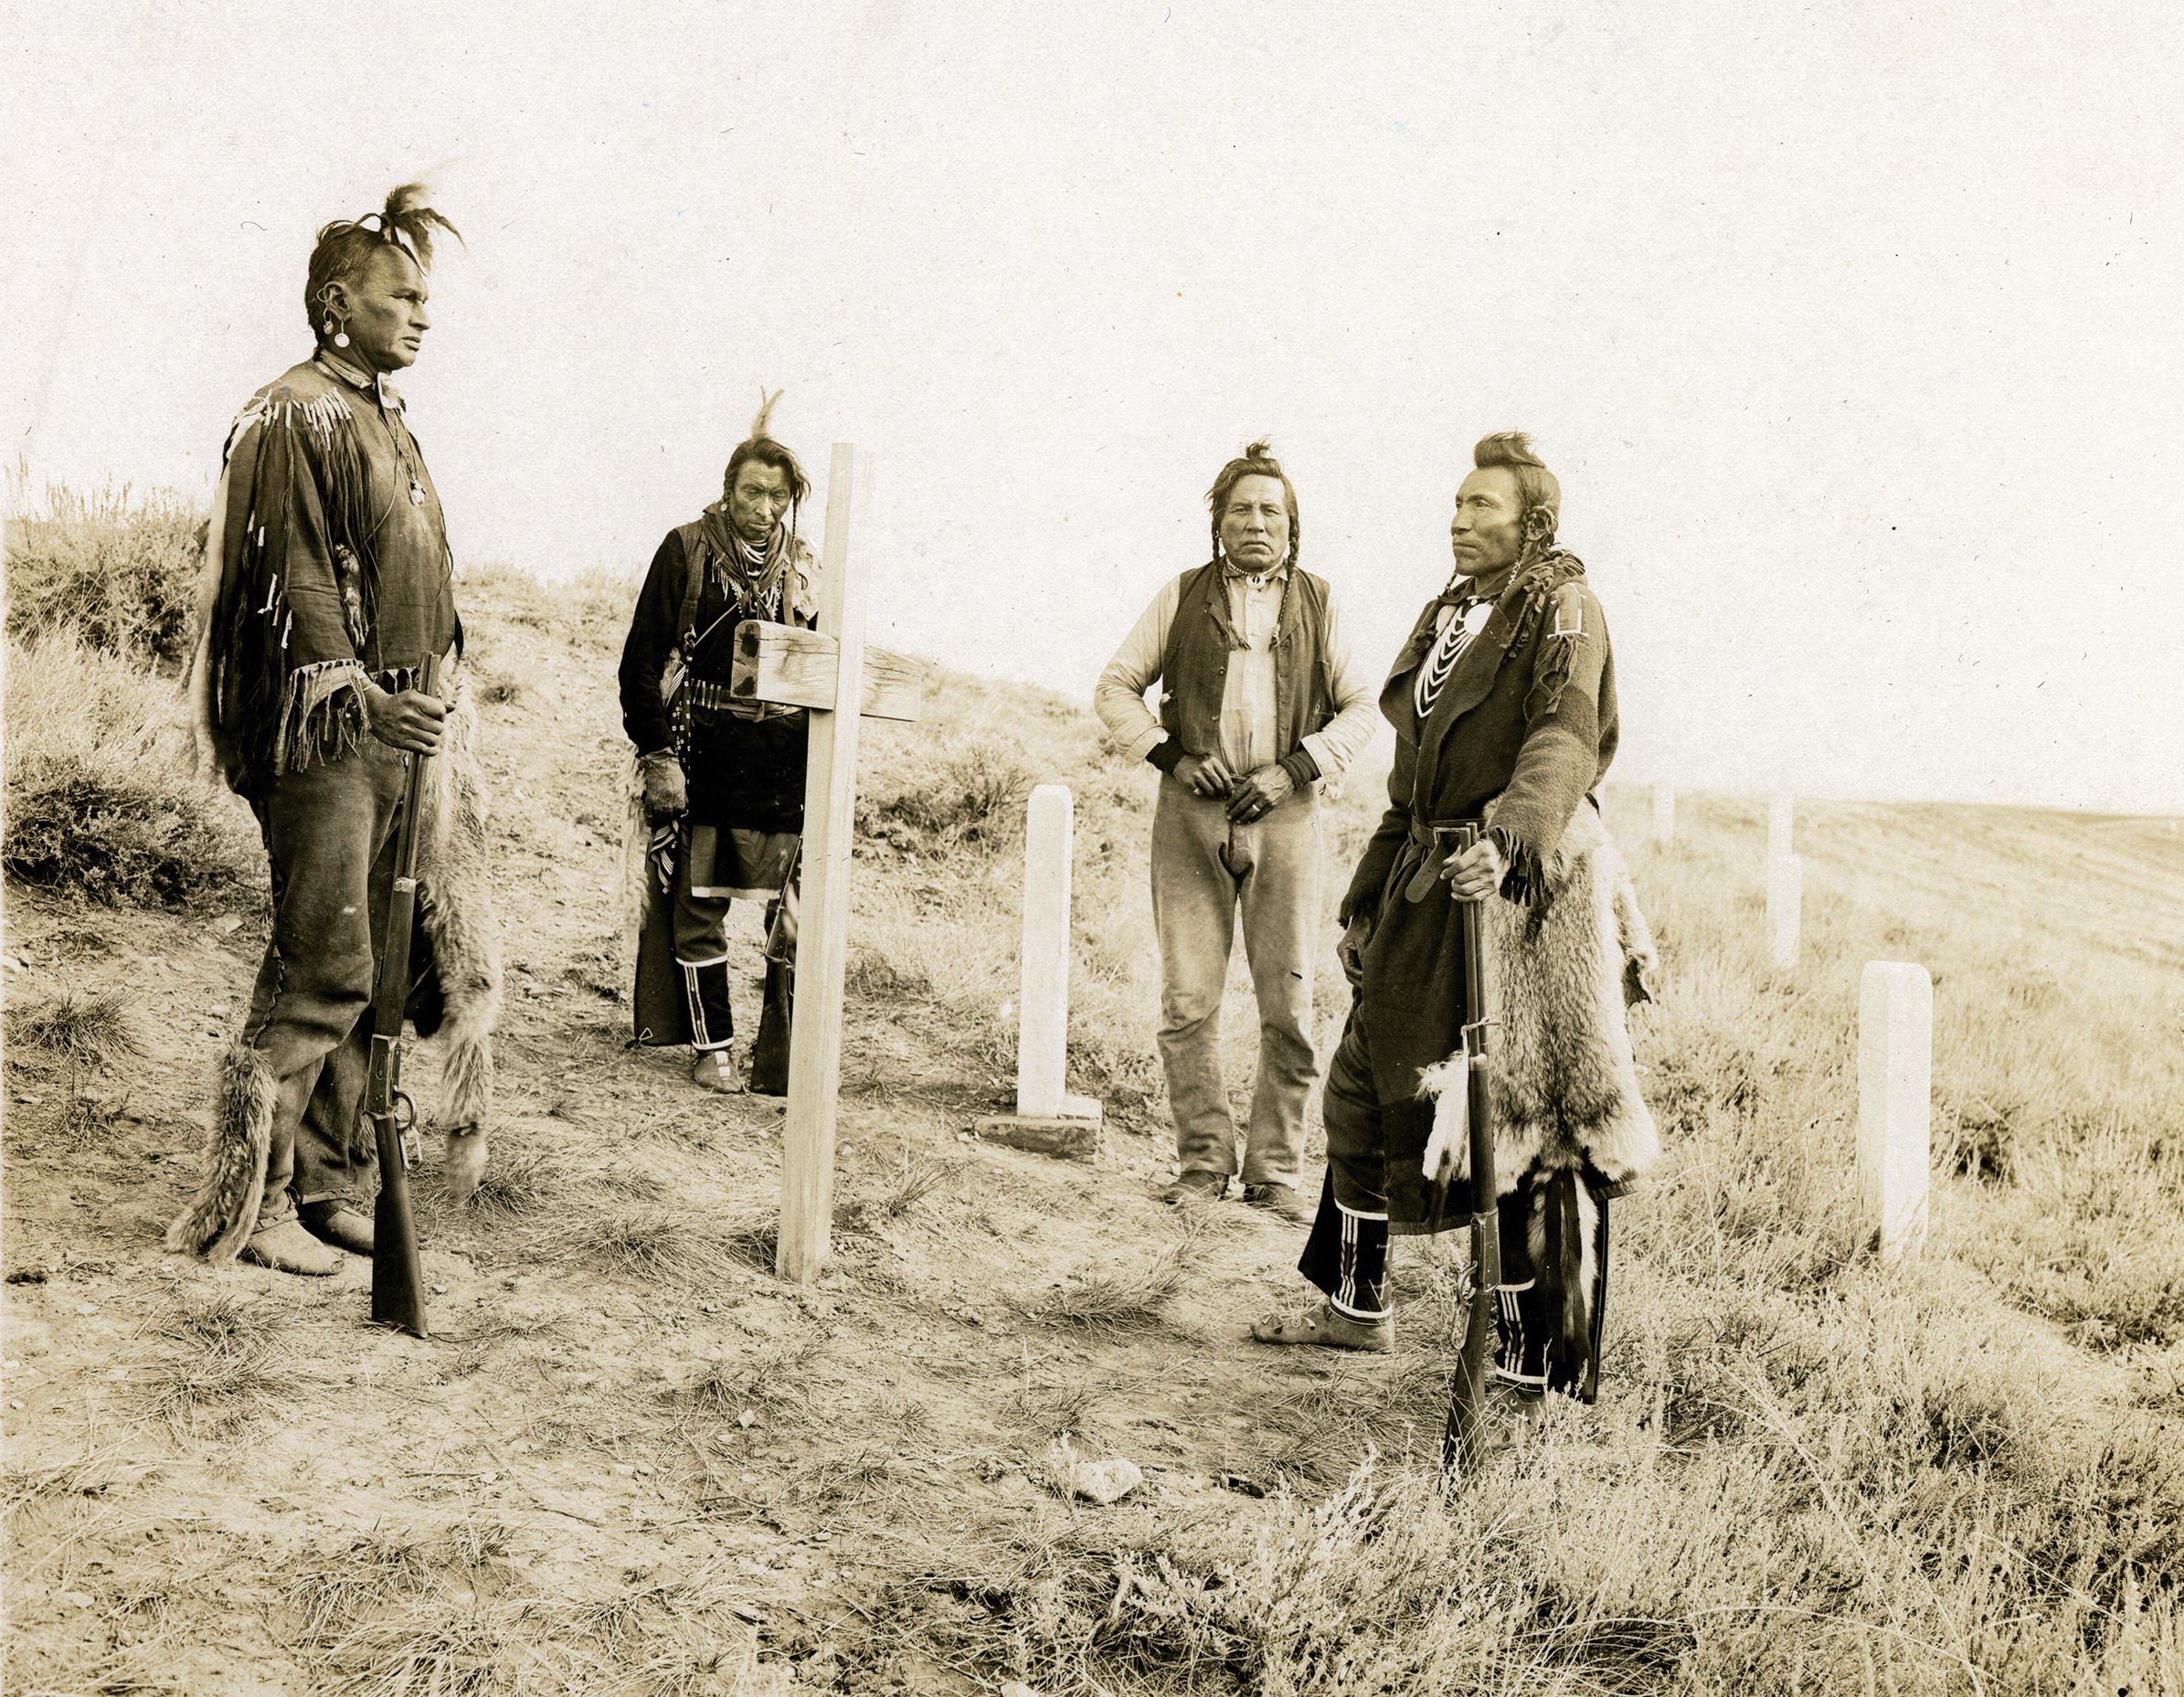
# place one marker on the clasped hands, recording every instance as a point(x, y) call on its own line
point(1252, 796)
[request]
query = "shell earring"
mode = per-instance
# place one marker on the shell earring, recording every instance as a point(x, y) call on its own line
point(340, 338)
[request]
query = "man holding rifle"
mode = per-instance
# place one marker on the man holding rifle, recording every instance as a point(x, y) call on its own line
point(327, 591)
point(1504, 705)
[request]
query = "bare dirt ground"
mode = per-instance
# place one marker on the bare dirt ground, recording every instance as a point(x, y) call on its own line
point(624, 1428)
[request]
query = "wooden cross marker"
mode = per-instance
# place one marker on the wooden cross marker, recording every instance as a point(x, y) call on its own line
point(830, 672)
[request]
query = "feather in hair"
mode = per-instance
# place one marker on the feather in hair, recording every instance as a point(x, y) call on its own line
point(761, 423)
point(410, 221)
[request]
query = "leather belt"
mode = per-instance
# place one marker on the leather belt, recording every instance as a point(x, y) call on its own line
point(1437, 842)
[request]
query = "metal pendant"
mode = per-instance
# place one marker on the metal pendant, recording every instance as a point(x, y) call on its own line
point(417, 494)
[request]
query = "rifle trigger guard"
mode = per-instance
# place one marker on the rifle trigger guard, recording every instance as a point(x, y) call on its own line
point(406, 1134)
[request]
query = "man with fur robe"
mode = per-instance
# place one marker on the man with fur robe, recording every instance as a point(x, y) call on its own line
point(716, 796)
point(327, 585)
point(1503, 701)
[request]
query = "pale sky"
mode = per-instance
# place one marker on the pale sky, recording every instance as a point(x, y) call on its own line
point(1853, 331)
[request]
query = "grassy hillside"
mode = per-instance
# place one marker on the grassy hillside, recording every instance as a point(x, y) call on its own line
point(632, 1462)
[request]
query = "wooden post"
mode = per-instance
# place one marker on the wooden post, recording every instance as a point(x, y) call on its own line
point(1664, 814)
point(1895, 1081)
point(1786, 900)
point(823, 929)
point(1047, 1118)
point(829, 673)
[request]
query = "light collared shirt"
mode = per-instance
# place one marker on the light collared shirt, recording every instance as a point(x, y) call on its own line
point(1248, 730)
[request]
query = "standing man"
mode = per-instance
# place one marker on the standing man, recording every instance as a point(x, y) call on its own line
point(327, 585)
point(1260, 700)
point(1503, 701)
point(717, 794)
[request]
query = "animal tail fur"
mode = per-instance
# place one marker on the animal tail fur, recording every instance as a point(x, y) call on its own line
point(635, 893)
point(455, 888)
point(223, 1212)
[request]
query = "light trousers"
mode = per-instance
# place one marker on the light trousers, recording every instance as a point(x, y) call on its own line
point(1206, 872)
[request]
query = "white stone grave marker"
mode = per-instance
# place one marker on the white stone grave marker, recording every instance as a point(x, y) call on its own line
point(1895, 1085)
point(1785, 902)
point(1781, 814)
point(1047, 1118)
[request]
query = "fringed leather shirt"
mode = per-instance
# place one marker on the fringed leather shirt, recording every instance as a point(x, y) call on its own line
point(333, 567)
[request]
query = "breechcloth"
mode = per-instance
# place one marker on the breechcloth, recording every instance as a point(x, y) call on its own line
point(715, 868)
point(1346, 1256)
point(329, 833)
point(1203, 872)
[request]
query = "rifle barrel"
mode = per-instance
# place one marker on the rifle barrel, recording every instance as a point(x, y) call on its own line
point(1460, 1446)
point(398, 1270)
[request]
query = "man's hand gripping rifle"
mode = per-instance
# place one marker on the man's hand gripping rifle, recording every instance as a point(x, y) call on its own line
point(398, 1275)
point(1474, 1125)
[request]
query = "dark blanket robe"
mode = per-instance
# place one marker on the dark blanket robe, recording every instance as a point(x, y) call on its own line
point(1521, 734)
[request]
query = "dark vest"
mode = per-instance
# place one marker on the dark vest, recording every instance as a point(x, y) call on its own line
point(1194, 664)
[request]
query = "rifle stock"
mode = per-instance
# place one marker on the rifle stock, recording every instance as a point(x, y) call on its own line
point(397, 1271)
point(1460, 1446)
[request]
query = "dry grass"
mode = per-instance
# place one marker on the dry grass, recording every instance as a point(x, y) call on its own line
point(1120, 1303)
point(81, 1028)
point(224, 1364)
point(640, 1242)
point(520, 1184)
point(914, 1181)
point(772, 1377)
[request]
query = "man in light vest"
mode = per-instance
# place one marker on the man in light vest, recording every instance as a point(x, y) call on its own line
point(1261, 701)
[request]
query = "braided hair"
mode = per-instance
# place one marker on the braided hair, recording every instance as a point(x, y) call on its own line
point(1256, 461)
point(345, 246)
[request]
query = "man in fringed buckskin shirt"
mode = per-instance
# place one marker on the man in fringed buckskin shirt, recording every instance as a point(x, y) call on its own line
point(327, 585)
point(1503, 701)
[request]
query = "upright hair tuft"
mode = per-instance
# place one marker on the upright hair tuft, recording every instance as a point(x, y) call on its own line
point(1256, 461)
point(405, 224)
point(1539, 489)
point(408, 221)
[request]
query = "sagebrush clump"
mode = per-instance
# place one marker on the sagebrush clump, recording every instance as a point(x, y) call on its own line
point(118, 568)
point(101, 803)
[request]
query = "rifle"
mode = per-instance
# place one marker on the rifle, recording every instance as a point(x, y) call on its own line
point(1461, 1447)
point(398, 1275)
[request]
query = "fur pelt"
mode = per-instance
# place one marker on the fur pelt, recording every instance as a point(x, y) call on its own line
point(635, 893)
point(456, 904)
point(223, 1212)
point(1563, 1082)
